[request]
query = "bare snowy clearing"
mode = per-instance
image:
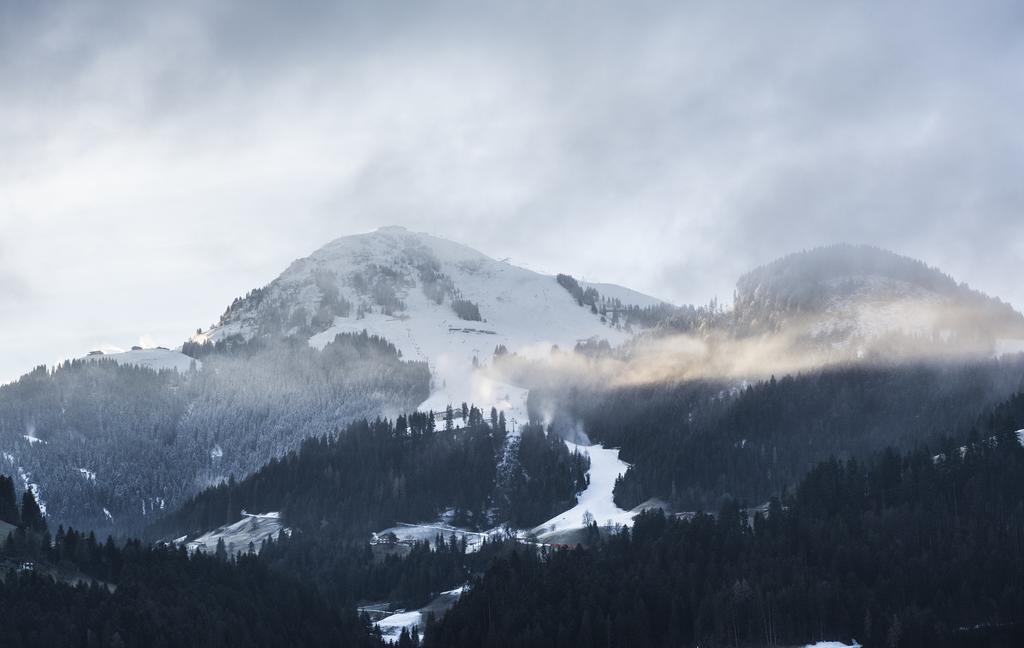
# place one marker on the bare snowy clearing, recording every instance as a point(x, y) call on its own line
point(155, 359)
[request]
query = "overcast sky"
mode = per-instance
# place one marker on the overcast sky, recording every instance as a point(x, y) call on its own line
point(158, 161)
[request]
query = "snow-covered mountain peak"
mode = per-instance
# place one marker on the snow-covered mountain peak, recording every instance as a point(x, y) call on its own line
point(396, 243)
point(436, 300)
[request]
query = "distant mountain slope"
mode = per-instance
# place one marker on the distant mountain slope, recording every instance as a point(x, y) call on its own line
point(838, 293)
point(435, 300)
point(112, 445)
point(109, 444)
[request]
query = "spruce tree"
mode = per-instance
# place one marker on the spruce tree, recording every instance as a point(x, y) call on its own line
point(8, 501)
point(31, 515)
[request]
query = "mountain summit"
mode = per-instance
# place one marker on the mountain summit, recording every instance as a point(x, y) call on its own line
point(842, 292)
point(435, 300)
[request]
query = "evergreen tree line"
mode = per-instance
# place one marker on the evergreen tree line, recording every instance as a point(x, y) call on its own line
point(29, 516)
point(697, 443)
point(614, 312)
point(543, 480)
point(908, 550)
point(349, 573)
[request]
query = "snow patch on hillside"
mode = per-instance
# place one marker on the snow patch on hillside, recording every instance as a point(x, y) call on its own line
point(427, 532)
point(155, 359)
point(391, 626)
point(252, 528)
point(37, 492)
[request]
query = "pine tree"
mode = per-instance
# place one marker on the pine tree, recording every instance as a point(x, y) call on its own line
point(404, 640)
point(31, 515)
point(8, 501)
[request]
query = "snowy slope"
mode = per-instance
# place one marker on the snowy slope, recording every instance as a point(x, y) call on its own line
point(597, 499)
point(525, 311)
point(252, 528)
point(155, 359)
point(391, 626)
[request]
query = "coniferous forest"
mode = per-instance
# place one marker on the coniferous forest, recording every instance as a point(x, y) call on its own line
point(697, 443)
point(918, 549)
point(119, 446)
point(374, 474)
point(71, 590)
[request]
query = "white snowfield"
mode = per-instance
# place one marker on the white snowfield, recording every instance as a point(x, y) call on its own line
point(26, 480)
point(833, 644)
point(155, 359)
point(525, 311)
point(252, 528)
point(597, 499)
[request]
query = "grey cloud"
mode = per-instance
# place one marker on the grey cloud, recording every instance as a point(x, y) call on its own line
point(191, 150)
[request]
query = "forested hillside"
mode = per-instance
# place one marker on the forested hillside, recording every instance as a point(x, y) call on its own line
point(696, 443)
point(75, 591)
point(113, 446)
point(908, 550)
point(372, 475)
point(812, 282)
